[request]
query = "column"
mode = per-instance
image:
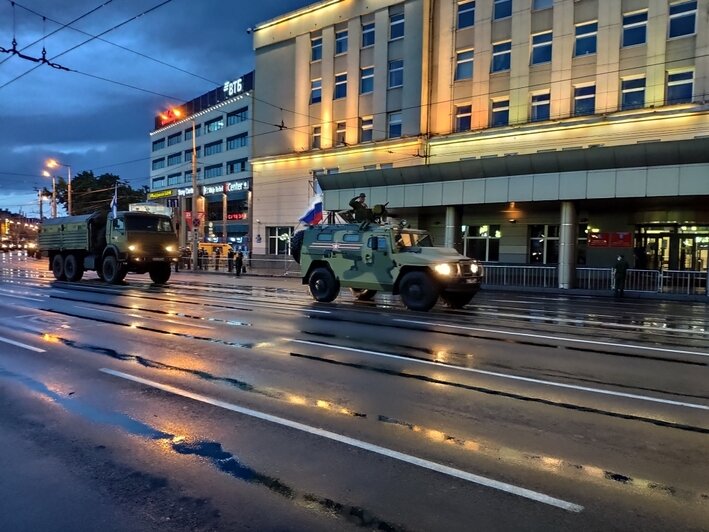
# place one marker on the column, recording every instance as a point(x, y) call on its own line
point(452, 233)
point(567, 245)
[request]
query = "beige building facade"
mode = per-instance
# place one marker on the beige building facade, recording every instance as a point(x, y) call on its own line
point(519, 131)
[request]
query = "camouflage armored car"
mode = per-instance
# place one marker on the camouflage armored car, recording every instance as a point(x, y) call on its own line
point(368, 257)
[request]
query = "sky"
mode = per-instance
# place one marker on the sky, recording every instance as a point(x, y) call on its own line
point(97, 116)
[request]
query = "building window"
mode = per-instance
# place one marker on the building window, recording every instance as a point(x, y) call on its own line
point(158, 163)
point(213, 148)
point(341, 42)
point(683, 19)
point(542, 4)
point(237, 141)
point(466, 14)
point(584, 100)
point(464, 65)
point(394, 125)
point(188, 132)
point(236, 166)
point(482, 242)
point(235, 117)
point(214, 125)
point(463, 116)
point(174, 139)
point(175, 158)
point(316, 91)
point(541, 48)
point(396, 26)
point(341, 134)
point(214, 170)
point(544, 244)
point(632, 93)
point(541, 106)
point(501, 53)
point(316, 49)
point(188, 153)
point(188, 176)
point(158, 144)
point(316, 141)
point(367, 35)
point(340, 86)
point(500, 113)
point(502, 9)
point(158, 182)
point(396, 73)
point(634, 28)
point(366, 80)
point(586, 35)
point(366, 128)
point(680, 86)
point(173, 179)
point(279, 240)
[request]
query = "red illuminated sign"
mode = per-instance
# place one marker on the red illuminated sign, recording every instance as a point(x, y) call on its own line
point(236, 216)
point(621, 239)
point(598, 240)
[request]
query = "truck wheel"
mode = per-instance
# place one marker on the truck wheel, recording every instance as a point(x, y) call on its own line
point(73, 270)
point(456, 299)
point(112, 272)
point(160, 273)
point(363, 294)
point(418, 291)
point(323, 285)
point(296, 244)
point(58, 267)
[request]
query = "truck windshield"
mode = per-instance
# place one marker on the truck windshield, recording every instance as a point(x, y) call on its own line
point(157, 224)
point(406, 239)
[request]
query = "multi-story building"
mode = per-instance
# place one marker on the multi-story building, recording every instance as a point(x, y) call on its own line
point(520, 131)
point(220, 124)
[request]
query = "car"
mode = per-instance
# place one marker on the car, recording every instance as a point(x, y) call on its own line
point(390, 257)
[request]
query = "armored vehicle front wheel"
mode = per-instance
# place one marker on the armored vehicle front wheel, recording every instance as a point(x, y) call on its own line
point(160, 273)
point(456, 299)
point(58, 267)
point(363, 294)
point(112, 272)
point(418, 291)
point(73, 269)
point(324, 287)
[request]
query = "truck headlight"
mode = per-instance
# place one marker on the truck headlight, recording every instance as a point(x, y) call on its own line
point(169, 249)
point(132, 247)
point(443, 269)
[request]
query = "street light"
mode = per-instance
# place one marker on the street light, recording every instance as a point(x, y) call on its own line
point(53, 163)
point(54, 192)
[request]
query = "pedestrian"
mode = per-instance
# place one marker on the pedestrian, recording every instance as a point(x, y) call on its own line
point(620, 270)
point(239, 263)
point(217, 257)
point(200, 259)
point(230, 259)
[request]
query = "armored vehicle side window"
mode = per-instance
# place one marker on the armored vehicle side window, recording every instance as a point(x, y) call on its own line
point(351, 237)
point(381, 242)
point(325, 237)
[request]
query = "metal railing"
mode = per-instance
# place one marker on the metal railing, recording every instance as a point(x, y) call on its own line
point(527, 276)
point(683, 282)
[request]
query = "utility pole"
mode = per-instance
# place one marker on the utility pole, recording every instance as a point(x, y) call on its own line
point(41, 204)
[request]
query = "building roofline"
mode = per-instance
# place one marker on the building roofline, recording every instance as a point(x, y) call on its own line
point(295, 14)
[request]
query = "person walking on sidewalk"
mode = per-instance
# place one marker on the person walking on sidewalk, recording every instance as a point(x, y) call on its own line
point(230, 259)
point(239, 263)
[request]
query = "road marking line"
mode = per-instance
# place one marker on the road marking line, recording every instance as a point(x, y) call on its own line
point(20, 297)
point(508, 376)
point(426, 464)
point(546, 337)
point(18, 344)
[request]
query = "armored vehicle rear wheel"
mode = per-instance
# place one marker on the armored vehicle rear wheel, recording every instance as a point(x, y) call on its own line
point(324, 287)
point(456, 299)
point(112, 271)
point(296, 244)
point(160, 273)
point(363, 294)
point(418, 291)
point(58, 267)
point(73, 269)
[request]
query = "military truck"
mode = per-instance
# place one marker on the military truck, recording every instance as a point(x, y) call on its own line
point(369, 257)
point(137, 242)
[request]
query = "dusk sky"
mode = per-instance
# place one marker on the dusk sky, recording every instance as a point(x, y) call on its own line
point(169, 51)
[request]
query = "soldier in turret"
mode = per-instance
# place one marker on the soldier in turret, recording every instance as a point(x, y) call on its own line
point(359, 207)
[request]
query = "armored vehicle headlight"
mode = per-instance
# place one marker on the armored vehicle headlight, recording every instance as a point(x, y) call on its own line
point(474, 268)
point(169, 249)
point(443, 269)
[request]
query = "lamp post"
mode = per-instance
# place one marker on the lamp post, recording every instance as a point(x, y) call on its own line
point(195, 198)
point(54, 192)
point(53, 163)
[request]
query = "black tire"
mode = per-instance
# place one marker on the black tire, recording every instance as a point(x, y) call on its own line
point(296, 244)
point(160, 273)
point(418, 291)
point(58, 267)
point(456, 299)
point(73, 269)
point(112, 271)
point(363, 294)
point(324, 287)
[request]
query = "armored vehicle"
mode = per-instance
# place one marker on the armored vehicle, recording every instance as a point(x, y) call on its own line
point(368, 257)
point(137, 242)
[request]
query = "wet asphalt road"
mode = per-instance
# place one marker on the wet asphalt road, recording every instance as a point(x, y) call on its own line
point(216, 403)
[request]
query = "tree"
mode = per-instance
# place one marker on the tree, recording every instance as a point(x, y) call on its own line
point(90, 193)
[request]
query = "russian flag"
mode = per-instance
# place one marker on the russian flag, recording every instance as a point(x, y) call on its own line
point(314, 214)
